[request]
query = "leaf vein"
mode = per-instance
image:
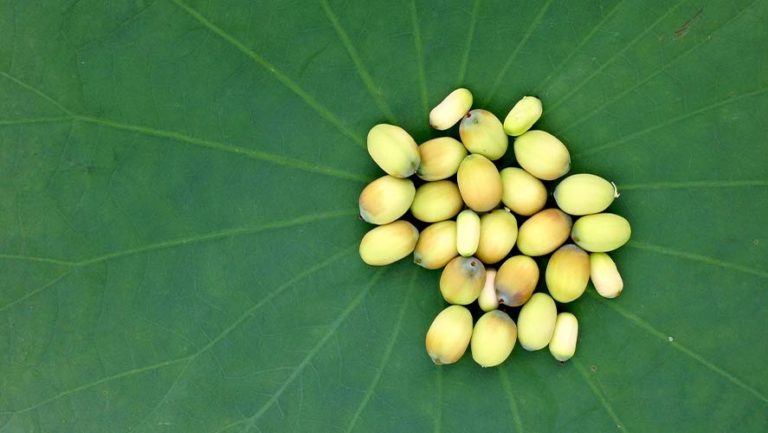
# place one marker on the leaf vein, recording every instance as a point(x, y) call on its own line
point(419, 58)
point(599, 394)
point(384, 359)
point(534, 24)
point(365, 76)
point(596, 72)
point(696, 257)
point(504, 379)
point(695, 356)
point(35, 291)
point(251, 421)
point(671, 121)
point(228, 148)
point(468, 45)
point(279, 75)
point(703, 184)
point(37, 92)
point(659, 71)
point(584, 40)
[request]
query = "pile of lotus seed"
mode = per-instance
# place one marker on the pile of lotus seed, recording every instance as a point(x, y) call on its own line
point(483, 234)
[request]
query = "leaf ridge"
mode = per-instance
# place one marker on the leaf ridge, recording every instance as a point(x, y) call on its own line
point(362, 71)
point(696, 257)
point(279, 75)
point(385, 358)
point(534, 25)
point(649, 28)
point(505, 383)
point(671, 121)
point(674, 343)
point(599, 394)
point(659, 71)
point(251, 421)
point(583, 41)
point(468, 46)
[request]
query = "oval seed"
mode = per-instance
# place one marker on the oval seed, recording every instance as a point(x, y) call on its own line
point(436, 245)
point(543, 232)
point(542, 154)
point(584, 194)
point(522, 193)
point(482, 133)
point(388, 243)
point(386, 199)
point(522, 116)
point(516, 280)
point(602, 232)
point(493, 338)
point(479, 183)
point(498, 232)
point(536, 322)
point(567, 273)
point(393, 149)
point(449, 334)
point(462, 280)
point(440, 158)
point(436, 201)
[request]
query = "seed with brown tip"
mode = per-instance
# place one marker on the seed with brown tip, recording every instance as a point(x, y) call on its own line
point(482, 133)
point(516, 280)
point(462, 280)
point(436, 245)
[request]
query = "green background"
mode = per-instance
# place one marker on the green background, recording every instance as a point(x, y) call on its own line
point(178, 228)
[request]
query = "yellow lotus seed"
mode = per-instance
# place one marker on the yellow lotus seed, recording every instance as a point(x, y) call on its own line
point(522, 116)
point(449, 335)
point(393, 150)
point(386, 199)
point(451, 109)
point(388, 243)
point(482, 133)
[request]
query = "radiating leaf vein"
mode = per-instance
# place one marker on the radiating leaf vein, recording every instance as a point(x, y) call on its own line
point(279, 75)
point(696, 257)
point(599, 394)
point(582, 118)
point(671, 121)
point(358, 62)
point(676, 344)
point(583, 41)
point(618, 54)
point(395, 332)
point(505, 383)
point(531, 27)
point(250, 422)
